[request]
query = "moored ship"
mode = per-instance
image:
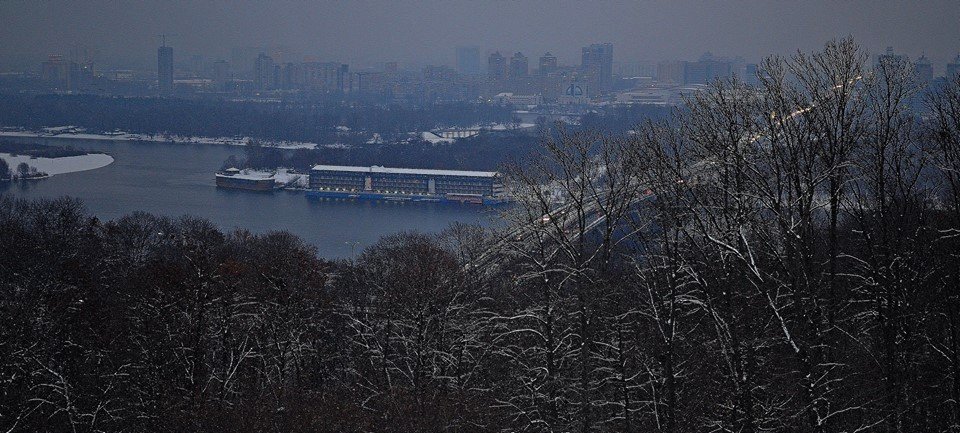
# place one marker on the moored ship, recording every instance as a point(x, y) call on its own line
point(235, 179)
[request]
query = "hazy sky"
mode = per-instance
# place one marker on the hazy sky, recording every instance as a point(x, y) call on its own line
point(421, 32)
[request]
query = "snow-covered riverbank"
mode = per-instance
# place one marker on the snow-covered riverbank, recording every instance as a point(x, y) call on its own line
point(55, 166)
point(78, 133)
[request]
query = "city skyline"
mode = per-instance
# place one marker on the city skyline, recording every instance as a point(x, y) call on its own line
point(372, 32)
point(488, 216)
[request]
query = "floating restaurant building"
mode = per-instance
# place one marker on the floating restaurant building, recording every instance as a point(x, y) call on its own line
point(406, 184)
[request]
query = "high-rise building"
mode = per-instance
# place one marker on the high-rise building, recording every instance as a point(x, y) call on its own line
point(469, 60)
point(626, 69)
point(439, 83)
point(923, 70)
point(519, 65)
point(276, 76)
point(671, 72)
point(751, 75)
point(890, 56)
point(263, 73)
point(165, 69)
point(372, 83)
point(344, 79)
point(548, 64)
point(242, 60)
point(290, 76)
point(87, 74)
point(497, 66)
point(697, 73)
point(221, 71)
point(326, 76)
point(707, 70)
point(597, 61)
point(953, 68)
point(60, 73)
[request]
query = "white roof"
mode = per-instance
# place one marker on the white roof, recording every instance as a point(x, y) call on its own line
point(379, 169)
point(246, 176)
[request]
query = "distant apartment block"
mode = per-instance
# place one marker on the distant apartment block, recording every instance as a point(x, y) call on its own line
point(469, 60)
point(597, 63)
point(496, 66)
point(519, 66)
point(548, 64)
point(264, 73)
point(953, 68)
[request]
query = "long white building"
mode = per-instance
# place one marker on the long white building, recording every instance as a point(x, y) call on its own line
point(407, 184)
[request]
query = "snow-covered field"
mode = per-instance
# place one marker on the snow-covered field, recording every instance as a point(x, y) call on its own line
point(55, 166)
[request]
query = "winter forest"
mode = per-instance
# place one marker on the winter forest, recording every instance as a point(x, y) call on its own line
point(778, 258)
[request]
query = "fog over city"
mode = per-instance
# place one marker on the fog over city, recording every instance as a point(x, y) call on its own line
point(125, 34)
point(496, 216)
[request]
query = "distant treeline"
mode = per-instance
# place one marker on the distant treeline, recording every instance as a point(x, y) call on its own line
point(484, 152)
point(218, 118)
point(39, 150)
point(620, 119)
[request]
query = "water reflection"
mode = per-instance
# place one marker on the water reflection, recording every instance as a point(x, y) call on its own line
point(177, 179)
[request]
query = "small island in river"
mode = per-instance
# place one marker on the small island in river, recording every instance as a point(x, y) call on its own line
point(23, 161)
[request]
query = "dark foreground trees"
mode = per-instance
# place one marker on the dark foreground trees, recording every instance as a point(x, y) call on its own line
point(781, 258)
point(790, 264)
point(150, 324)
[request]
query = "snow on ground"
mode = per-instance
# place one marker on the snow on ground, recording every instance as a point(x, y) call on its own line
point(375, 139)
point(434, 138)
point(66, 128)
point(72, 132)
point(502, 127)
point(55, 166)
point(79, 133)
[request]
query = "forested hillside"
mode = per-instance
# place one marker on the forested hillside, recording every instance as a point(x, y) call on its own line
point(783, 258)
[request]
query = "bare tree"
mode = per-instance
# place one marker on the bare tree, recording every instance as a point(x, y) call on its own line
point(944, 133)
point(573, 199)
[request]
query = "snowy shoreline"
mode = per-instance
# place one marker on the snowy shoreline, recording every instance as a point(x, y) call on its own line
point(76, 133)
point(55, 166)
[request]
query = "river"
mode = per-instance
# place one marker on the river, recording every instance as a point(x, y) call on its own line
point(177, 179)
